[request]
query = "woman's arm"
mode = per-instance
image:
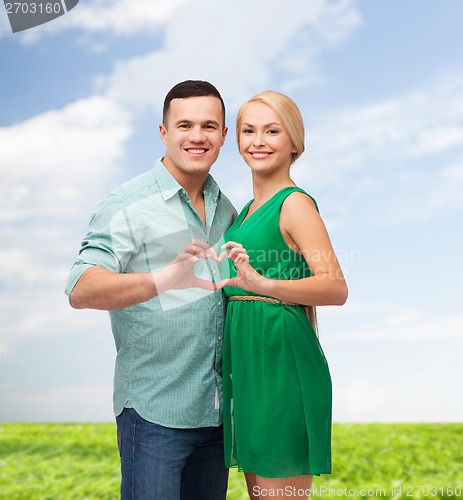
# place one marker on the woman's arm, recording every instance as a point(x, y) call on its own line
point(304, 231)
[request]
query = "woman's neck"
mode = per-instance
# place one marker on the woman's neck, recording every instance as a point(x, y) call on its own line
point(265, 187)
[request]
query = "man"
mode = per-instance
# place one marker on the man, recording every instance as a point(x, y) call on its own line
point(141, 260)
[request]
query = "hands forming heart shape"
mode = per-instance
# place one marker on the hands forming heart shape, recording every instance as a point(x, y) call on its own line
point(180, 274)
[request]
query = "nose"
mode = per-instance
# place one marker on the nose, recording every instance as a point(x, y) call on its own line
point(259, 139)
point(197, 134)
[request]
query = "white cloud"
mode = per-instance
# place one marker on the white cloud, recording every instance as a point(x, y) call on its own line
point(398, 129)
point(48, 160)
point(83, 403)
point(213, 37)
point(412, 401)
point(121, 17)
point(41, 313)
point(407, 326)
point(390, 132)
point(404, 318)
point(54, 167)
point(39, 252)
point(118, 17)
point(239, 46)
point(15, 262)
point(52, 161)
point(400, 159)
point(400, 367)
point(354, 307)
point(447, 189)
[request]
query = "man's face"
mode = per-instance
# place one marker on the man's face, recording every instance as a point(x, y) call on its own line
point(193, 134)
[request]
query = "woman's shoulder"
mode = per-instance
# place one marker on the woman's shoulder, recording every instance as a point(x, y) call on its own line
point(298, 199)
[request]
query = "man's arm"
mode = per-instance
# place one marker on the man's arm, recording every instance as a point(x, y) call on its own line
point(99, 288)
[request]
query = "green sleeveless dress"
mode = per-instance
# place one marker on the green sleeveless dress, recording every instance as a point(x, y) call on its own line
point(276, 380)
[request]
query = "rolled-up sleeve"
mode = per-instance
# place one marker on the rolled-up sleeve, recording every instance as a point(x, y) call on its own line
point(100, 247)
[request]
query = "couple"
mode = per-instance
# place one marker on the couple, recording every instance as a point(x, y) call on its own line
point(145, 259)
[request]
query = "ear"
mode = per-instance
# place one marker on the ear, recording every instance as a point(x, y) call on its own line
point(224, 135)
point(162, 133)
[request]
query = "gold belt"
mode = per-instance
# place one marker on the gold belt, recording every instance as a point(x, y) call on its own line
point(262, 299)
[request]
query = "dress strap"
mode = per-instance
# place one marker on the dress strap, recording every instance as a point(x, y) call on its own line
point(295, 189)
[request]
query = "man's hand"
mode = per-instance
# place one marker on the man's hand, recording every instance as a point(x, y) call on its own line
point(180, 274)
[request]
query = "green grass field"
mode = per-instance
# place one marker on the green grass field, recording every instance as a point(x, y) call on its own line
point(80, 461)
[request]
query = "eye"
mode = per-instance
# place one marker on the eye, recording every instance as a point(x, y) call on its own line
point(273, 131)
point(210, 127)
point(247, 131)
point(184, 126)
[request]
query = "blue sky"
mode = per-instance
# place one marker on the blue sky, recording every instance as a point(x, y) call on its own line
point(380, 85)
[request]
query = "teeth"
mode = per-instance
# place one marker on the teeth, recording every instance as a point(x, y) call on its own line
point(197, 151)
point(259, 155)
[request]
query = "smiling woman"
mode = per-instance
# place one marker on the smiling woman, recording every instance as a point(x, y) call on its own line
point(277, 385)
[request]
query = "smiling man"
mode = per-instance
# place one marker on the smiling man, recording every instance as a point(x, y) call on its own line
point(140, 261)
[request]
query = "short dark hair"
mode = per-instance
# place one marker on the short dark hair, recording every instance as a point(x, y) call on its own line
point(191, 88)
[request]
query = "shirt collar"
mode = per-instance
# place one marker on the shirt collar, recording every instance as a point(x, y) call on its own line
point(169, 186)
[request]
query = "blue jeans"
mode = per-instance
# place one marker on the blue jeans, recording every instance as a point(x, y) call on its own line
point(161, 463)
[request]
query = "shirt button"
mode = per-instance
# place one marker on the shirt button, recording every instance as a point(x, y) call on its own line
point(219, 338)
point(220, 302)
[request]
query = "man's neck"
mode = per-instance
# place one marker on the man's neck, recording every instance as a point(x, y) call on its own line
point(191, 183)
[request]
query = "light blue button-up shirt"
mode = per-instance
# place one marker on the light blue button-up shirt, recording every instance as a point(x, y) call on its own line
point(169, 349)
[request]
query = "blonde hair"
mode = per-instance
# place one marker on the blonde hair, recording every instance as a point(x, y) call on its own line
point(288, 113)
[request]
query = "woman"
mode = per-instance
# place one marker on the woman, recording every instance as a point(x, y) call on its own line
point(277, 385)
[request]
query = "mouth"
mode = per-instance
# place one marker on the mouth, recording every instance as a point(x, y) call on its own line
point(259, 154)
point(196, 151)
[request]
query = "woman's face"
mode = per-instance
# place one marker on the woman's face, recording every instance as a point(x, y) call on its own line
point(263, 142)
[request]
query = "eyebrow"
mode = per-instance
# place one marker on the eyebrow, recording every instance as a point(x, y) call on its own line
point(211, 122)
point(265, 126)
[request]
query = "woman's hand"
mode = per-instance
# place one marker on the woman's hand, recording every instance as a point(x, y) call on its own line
point(247, 277)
